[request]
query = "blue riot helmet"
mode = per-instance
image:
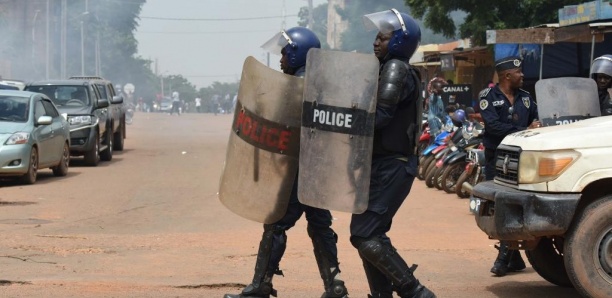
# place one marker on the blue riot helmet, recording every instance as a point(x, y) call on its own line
point(295, 42)
point(603, 65)
point(459, 115)
point(406, 33)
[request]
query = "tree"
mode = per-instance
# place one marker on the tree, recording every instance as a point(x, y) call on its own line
point(356, 37)
point(485, 15)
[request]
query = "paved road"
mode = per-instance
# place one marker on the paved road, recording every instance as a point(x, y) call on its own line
point(149, 224)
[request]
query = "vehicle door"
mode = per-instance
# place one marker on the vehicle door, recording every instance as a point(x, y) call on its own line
point(43, 134)
point(112, 109)
point(116, 108)
point(101, 113)
point(58, 128)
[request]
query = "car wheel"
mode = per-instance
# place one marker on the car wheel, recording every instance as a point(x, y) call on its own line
point(107, 154)
point(588, 250)
point(118, 139)
point(62, 168)
point(547, 260)
point(92, 157)
point(30, 176)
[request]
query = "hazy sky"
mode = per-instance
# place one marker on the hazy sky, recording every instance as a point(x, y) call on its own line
point(215, 49)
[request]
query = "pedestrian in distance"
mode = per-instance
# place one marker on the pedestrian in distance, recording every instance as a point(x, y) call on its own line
point(176, 104)
point(294, 44)
point(394, 159)
point(505, 108)
point(601, 72)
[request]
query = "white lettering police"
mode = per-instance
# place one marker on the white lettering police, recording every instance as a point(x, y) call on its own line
point(332, 118)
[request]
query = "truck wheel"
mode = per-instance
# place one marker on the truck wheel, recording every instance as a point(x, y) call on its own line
point(107, 154)
point(588, 250)
point(451, 175)
point(92, 157)
point(459, 188)
point(547, 260)
point(118, 139)
point(62, 168)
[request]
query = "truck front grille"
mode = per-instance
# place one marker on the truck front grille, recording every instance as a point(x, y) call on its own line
point(507, 164)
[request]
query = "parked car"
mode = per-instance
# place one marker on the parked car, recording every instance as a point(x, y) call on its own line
point(91, 134)
point(33, 136)
point(117, 109)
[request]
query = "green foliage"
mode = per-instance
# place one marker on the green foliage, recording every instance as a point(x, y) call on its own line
point(356, 37)
point(485, 15)
point(320, 22)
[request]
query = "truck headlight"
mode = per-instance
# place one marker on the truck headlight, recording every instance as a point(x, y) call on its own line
point(77, 120)
point(18, 138)
point(536, 166)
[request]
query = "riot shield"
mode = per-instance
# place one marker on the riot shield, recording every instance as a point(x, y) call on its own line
point(566, 100)
point(262, 151)
point(337, 130)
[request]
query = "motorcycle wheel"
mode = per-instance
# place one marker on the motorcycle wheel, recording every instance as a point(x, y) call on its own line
point(450, 177)
point(423, 164)
point(429, 174)
point(459, 187)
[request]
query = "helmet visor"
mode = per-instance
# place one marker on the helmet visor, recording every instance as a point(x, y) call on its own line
point(602, 65)
point(384, 21)
point(277, 43)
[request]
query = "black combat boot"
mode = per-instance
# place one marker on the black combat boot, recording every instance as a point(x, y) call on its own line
point(500, 267)
point(516, 262)
point(334, 286)
point(386, 259)
point(261, 287)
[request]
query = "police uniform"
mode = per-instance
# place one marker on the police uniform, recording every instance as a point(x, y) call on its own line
point(502, 118)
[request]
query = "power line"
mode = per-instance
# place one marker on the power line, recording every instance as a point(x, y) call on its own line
point(231, 19)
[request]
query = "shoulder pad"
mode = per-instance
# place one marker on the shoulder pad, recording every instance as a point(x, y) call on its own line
point(524, 91)
point(484, 92)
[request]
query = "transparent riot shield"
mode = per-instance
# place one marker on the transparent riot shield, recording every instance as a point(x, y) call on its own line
point(262, 151)
point(337, 130)
point(566, 100)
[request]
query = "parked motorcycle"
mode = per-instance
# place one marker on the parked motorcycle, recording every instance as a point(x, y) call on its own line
point(129, 114)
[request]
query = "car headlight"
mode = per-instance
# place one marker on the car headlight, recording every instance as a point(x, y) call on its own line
point(18, 138)
point(76, 120)
point(536, 166)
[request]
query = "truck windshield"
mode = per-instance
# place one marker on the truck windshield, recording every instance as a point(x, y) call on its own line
point(64, 95)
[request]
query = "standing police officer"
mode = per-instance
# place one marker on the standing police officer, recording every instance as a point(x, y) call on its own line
point(294, 44)
point(394, 159)
point(601, 72)
point(505, 109)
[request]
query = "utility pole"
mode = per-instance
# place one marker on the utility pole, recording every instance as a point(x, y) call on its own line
point(63, 41)
point(284, 22)
point(83, 16)
point(47, 43)
point(310, 16)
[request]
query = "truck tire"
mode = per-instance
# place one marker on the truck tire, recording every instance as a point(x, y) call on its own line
point(588, 250)
point(92, 157)
point(107, 154)
point(118, 141)
point(547, 260)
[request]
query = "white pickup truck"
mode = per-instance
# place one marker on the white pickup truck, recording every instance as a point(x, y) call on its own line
point(552, 197)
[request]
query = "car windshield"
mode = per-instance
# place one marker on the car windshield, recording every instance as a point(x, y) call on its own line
point(14, 108)
point(64, 96)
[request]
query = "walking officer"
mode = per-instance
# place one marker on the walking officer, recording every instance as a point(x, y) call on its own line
point(505, 108)
point(293, 44)
point(394, 160)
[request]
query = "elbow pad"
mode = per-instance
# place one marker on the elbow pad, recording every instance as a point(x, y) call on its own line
point(391, 82)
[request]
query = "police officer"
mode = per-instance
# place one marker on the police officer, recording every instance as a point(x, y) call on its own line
point(294, 44)
point(394, 160)
point(601, 72)
point(505, 109)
